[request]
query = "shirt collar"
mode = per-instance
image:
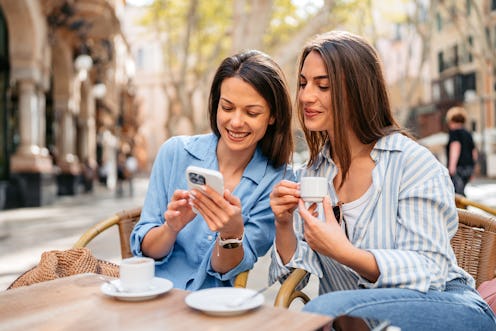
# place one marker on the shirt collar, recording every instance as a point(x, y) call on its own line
point(323, 156)
point(204, 147)
point(257, 167)
point(392, 142)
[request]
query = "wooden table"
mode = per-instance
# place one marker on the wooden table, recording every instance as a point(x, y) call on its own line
point(76, 303)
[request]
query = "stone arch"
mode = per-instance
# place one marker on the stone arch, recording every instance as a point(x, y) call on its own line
point(27, 39)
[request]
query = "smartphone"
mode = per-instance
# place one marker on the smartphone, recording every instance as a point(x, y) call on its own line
point(196, 177)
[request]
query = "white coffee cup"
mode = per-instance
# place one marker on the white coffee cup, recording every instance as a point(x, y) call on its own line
point(136, 273)
point(313, 189)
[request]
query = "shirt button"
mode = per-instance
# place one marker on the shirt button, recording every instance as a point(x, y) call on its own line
point(210, 237)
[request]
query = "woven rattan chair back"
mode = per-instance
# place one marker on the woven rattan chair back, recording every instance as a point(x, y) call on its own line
point(125, 220)
point(475, 245)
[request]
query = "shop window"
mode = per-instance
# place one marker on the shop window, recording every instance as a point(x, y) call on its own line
point(5, 118)
point(436, 92)
point(440, 62)
point(494, 38)
point(51, 123)
point(140, 58)
point(470, 42)
point(439, 21)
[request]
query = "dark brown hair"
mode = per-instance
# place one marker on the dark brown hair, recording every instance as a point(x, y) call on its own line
point(267, 78)
point(358, 95)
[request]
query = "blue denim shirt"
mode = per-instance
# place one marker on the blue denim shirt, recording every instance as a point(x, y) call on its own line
point(188, 263)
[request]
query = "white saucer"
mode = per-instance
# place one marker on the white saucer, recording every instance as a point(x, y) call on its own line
point(158, 286)
point(215, 301)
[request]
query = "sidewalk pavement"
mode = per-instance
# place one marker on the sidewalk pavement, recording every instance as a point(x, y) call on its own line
point(25, 233)
point(482, 190)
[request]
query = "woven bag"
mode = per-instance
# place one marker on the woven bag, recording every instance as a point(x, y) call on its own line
point(57, 264)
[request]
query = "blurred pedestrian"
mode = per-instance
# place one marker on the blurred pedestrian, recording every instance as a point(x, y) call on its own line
point(460, 150)
point(89, 175)
point(121, 173)
point(131, 169)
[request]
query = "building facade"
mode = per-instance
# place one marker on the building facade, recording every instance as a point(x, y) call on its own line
point(462, 70)
point(146, 47)
point(66, 96)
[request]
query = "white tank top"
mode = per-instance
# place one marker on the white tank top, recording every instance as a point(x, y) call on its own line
point(353, 209)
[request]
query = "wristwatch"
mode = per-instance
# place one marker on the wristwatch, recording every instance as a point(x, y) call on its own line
point(231, 243)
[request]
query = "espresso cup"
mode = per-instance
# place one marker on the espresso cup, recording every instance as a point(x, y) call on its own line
point(136, 273)
point(313, 189)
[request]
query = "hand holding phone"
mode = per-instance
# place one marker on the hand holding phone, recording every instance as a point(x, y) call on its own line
point(197, 177)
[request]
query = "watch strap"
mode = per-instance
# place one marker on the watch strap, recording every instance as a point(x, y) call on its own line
point(231, 242)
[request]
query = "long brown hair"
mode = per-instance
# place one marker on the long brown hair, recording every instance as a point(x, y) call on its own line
point(358, 95)
point(267, 78)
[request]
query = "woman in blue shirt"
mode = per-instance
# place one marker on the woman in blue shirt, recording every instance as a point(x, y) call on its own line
point(381, 247)
point(250, 114)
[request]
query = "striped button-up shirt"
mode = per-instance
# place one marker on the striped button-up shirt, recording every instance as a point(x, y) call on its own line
point(407, 224)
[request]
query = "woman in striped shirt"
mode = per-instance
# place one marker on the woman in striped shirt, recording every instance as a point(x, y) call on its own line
point(381, 245)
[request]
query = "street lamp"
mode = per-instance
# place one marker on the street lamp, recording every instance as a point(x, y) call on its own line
point(83, 64)
point(99, 90)
point(471, 96)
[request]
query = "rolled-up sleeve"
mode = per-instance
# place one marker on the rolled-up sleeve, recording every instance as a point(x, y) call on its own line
point(303, 258)
point(155, 201)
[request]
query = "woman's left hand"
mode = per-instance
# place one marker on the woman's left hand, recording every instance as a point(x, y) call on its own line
point(221, 213)
point(326, 238)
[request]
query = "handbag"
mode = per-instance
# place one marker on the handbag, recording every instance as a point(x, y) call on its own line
point(57, 264)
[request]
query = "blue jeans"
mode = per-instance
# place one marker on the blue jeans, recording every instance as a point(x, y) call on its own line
point(459, 307)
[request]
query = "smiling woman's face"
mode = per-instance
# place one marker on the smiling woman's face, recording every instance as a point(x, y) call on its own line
point(314, 93)
point(243, 115)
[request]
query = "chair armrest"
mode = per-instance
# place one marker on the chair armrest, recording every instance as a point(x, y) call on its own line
point(95, 230)
point(463, 202)
point(288, 293)
point(241, 279)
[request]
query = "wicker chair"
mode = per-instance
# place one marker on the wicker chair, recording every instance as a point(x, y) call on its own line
point(126, 221)
point(464, 203)
point(474, 245)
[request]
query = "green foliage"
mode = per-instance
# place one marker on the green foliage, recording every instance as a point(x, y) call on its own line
point(197, 34)
point(209, 41)
point(285, 21)
point(208, 23)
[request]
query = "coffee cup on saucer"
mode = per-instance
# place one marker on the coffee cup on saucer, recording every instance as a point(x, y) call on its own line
point(313, 189)
point(136, 273)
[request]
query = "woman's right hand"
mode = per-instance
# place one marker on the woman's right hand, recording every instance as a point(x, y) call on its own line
point(159, 241)
point(179, 211)
point(284, 200)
